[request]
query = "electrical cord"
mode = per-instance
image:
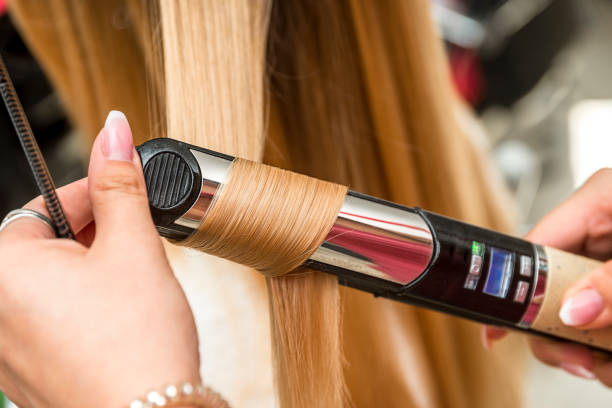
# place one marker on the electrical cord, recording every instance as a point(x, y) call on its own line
point(33, 154)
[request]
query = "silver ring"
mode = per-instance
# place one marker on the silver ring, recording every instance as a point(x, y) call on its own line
point(23, 213)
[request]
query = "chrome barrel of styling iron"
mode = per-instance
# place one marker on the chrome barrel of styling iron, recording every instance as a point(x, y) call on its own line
point(401, 253)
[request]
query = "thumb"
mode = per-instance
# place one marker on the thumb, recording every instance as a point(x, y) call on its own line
point(588, 303)
point(117, 189)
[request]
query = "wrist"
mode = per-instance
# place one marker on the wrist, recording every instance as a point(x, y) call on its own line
point(183, 395)
point(171, 368)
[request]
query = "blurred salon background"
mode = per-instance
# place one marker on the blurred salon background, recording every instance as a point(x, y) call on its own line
point(536, 72)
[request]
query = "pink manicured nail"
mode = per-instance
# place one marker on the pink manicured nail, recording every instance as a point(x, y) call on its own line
point(578, 370)
point(117, 143)
point(581, 308)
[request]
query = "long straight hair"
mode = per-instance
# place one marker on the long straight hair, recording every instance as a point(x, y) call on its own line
point(355, 92)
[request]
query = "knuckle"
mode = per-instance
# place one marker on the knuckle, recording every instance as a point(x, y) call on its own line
point(601, 174)
point(601, 277)
point(598, 182)
point(35, 202)
point(599, 224)
point(119, 179)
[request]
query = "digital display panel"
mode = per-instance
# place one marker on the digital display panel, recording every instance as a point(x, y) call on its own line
point(501, 267)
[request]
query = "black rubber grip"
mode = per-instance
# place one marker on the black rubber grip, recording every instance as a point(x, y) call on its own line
point(168, 179)
point(173, 180)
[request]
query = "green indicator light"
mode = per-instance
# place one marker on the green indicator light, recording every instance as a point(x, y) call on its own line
point(477, 248)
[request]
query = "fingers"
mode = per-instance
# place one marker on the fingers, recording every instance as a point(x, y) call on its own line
point(588, 303)
point(603, 372)
point(490, 334)
point(26, 227)
point(575, 359)
point(87, 235)
point(572, 235)
point(583, 223)
point(117, 189)
point(75, 201)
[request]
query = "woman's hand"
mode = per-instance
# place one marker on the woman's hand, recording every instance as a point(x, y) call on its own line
point(582, 225)
point(98, 321)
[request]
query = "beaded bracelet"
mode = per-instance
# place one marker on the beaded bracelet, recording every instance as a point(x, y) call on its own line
point(183, 394)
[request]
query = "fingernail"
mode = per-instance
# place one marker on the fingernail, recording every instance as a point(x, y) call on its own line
point(581, 308)
point(578, 370)
point(117, 143)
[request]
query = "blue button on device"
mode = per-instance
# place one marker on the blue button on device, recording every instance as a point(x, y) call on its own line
point(501, 267)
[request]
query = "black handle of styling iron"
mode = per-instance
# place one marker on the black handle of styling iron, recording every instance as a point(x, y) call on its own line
point(401, 253)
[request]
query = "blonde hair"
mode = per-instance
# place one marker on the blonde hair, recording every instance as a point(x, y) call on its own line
point(304, 306)
point(359, 94)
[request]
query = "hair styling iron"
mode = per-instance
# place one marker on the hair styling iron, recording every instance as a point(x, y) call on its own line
point(401, 253)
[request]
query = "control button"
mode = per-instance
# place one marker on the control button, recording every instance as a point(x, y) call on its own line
point(471, 281)
point(474, 273)
point(526, 265)
point(521, 291)
point(476, 265)
point(478, 248)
